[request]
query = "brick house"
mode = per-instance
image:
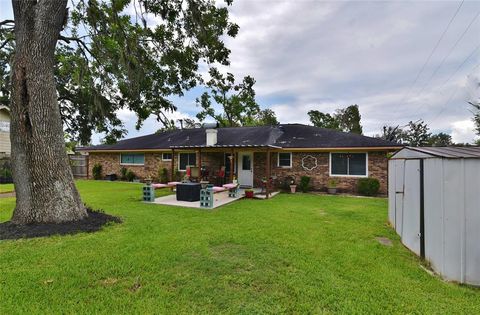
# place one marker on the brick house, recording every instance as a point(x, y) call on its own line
point(283, 152)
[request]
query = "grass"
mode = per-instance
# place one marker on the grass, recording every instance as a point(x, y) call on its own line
point(4, 188)
point(292, 254)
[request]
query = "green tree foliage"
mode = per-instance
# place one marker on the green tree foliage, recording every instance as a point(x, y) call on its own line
point(349, 119)
point(107, 59)
point(322, 120)
point(344, 119)
point(393, 134)
point(476, 116)
point(265, 117)
point(236, 100)
point(440, 139)
point(417, 134)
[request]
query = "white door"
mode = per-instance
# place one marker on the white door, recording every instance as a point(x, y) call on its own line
point(245, 169)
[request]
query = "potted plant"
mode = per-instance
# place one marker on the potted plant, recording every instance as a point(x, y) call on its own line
point(332, 186)
point(249, 193)
point(293, 186)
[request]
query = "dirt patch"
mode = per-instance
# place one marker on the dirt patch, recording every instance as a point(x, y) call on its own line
point(7, 194)
point(94, 222)
point(384, 241)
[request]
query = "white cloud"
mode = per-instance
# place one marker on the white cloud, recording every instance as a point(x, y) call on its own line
point(463, 131)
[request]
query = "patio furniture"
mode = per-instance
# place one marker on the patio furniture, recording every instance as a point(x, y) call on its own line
point(188, 192)
point(111, 177)
point(170, 185)
point(232, 190)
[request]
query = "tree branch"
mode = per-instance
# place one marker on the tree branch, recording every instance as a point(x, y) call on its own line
point(77, 40)
point(4, 22)
point(5, 42)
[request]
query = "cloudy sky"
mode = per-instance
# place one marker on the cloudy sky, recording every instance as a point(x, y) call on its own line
point(325, 55)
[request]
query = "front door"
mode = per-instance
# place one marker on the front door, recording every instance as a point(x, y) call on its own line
point(245, 169)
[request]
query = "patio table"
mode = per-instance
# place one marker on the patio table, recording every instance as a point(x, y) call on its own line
point(188, 192)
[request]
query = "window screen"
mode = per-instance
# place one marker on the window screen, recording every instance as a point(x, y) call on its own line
point(186, 159)
point(132, 158)
point(166, 156)
point(246, 163)
point(349, 164)
point(285, 159)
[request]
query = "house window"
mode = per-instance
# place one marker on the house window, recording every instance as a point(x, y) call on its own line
point(186, 159)
point(284, 159)
point(166, 156)
point(348, 164)
point(132, 158)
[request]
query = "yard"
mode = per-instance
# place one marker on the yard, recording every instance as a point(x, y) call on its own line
point(291, 254)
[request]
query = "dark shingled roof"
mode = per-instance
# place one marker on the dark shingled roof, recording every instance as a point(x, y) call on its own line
point(282, 136)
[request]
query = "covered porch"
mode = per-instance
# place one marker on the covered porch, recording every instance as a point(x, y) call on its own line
point(249, 165)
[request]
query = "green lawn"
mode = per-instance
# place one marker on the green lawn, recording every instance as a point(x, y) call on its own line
point(291, 254)
point(4, 188)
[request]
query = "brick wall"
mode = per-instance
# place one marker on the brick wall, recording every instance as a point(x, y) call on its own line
point(377, 168)
point(153, 162)
point(111, 164)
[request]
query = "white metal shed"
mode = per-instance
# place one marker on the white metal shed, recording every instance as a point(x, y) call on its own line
point(434, 205)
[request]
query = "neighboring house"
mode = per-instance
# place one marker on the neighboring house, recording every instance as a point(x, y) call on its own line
point(295, 150)
point(4, 130)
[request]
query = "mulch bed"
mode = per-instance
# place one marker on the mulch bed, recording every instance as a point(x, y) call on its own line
point(94, 222)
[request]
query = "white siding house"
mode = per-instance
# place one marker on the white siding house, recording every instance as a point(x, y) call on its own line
point(434, 205)
point(4, 130)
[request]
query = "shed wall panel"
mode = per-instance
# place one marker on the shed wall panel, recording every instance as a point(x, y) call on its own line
point(454, 217)
point(411, 206)
point(472, 221)
point(434, 212)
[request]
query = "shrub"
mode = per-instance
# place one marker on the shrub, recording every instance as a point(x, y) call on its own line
point(163, 175)
point(289, 180)
point(332, 183)
point(304, 183)
point(368, 186)
point(178, 175)
point(97, 171)
point(123, 173)
point(130, 176)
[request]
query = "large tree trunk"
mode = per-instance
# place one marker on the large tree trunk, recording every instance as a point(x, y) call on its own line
point(44, 184)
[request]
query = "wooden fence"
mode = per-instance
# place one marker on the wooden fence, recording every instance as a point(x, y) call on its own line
point(79, 164)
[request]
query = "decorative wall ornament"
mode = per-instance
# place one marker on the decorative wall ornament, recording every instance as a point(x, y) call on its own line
point(309, 163)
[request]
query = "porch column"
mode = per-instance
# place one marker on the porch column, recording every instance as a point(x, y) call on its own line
point(267, 185)
point(172, 166)
point(200, 164)
point(232, 168)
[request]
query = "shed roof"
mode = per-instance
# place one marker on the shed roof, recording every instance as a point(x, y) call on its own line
point(443, 152)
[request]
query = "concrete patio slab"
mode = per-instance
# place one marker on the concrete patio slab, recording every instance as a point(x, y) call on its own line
point(220, 199)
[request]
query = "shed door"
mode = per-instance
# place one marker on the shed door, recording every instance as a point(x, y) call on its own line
point(410, 214)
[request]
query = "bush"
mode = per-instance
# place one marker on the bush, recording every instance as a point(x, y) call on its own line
point(163, 175)
point(304, 184)
point(123, 173)
point(130, 176)
point(368, 186)
point(97, 171)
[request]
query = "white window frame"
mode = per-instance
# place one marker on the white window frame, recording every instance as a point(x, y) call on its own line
point(278, 159)
point(341, 175)
point(131, 164)
point(167, 160)
point(178, 157)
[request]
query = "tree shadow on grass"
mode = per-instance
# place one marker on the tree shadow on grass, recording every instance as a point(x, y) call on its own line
point(94, 222)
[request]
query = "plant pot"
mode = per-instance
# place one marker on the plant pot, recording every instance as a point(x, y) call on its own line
point(249, 194)
point(332, 191)
point(293, 188)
